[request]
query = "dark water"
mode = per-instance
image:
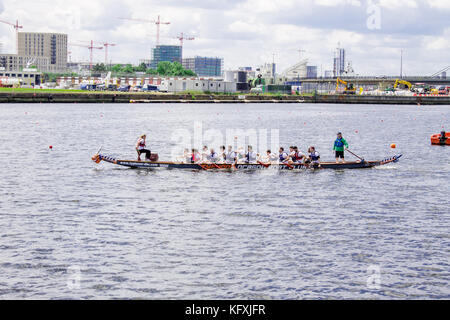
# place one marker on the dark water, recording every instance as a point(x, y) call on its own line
point(74, 229)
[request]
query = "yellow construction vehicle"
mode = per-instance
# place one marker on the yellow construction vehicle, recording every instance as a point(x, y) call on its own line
point(349, 87)
point(404, 82)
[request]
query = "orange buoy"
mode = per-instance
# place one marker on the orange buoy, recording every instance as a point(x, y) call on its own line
point(393, 146)
point(441, 139)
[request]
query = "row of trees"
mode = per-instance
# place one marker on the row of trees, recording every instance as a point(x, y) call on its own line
point(165, 68)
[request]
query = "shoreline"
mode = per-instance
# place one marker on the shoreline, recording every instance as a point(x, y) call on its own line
point(116, 97)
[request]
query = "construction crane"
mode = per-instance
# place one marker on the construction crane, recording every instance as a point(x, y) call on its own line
point(157, 22)
point(91, 49)
point(106, 45)
point(17, 27)
point(183, 37)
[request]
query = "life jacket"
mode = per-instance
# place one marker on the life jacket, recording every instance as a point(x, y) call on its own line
point(141, 144)
point(250, 157)
point(212, 156)
point(283, 156)
point(338, 143)
point(315, 156)
point(298, 156)
point(194, 158)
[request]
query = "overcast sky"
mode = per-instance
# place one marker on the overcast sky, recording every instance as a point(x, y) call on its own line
point(248, 33)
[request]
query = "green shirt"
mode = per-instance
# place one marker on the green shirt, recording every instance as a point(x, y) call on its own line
point(339, 144)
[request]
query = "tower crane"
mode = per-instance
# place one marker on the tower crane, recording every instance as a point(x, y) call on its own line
point(91, 49)
point(16, 26)
point(183, 37)
point(157, 22)
point(106, 45)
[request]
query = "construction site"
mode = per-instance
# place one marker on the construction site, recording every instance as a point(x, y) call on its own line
point(44, 61)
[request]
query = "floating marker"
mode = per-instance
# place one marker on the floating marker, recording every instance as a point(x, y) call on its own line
point(393, 146)
point(50, 147)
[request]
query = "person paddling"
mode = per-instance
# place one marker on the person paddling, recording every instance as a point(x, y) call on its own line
point(231, 156)
point(339, 146)
point(141, 148)
point(283, 156)
point(195, 156)
point(251, 156)
point(314, 157)
point(212, 157)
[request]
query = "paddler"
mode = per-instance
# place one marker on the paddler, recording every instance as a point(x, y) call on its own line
point(314, 156)
point(339, 146)
point(250, 156)
point(213, 157)
point(222, 154)
point(299, 157)
point(291, 155)
point(205, 153)
point(195, 156)
point(140, 148)
point(283, 156)
point(231, 156)
point(268, 158)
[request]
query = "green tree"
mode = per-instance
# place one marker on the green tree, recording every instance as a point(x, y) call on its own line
point(151, 71)
point(99, 68)
point(164, 68)
point(128, 69)
point(117, 68)
point(174, 69)
point(141, 68)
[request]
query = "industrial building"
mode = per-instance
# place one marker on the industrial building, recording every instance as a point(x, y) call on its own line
point(48, 49)
point(199, 84)
point(204, 66)
point(28, 78)
point(267, 70)
point(166, 53)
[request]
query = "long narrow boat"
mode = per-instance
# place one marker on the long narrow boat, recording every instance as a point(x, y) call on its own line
point(253, 166)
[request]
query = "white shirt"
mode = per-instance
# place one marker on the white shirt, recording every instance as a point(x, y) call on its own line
point(251, 156)
point(231, 155)
point(213, 157)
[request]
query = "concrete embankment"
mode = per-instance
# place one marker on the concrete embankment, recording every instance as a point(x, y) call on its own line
point(111, 97)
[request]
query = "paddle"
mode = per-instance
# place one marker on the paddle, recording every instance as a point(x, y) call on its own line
point(289, 166)
point(362, 159)
point(264, 164)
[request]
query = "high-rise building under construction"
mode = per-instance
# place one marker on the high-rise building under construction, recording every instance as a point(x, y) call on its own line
point(339, 62)
point(166, 53)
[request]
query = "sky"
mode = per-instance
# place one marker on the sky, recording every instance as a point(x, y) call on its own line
point(251, 32)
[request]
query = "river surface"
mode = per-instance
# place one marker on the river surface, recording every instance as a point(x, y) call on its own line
point(72, 229)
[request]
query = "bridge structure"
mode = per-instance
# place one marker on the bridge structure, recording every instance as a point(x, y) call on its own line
point(379, 81)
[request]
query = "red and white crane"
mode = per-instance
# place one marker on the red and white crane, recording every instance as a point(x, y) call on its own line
point(17, 27)
point(106, 45)
point(157, 22)
point(183, 37)
point(91, 49)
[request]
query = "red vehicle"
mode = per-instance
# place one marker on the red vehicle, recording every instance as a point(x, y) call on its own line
point(444, 90)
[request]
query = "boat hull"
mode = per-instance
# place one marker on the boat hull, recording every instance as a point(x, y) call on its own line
point(253, 166)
